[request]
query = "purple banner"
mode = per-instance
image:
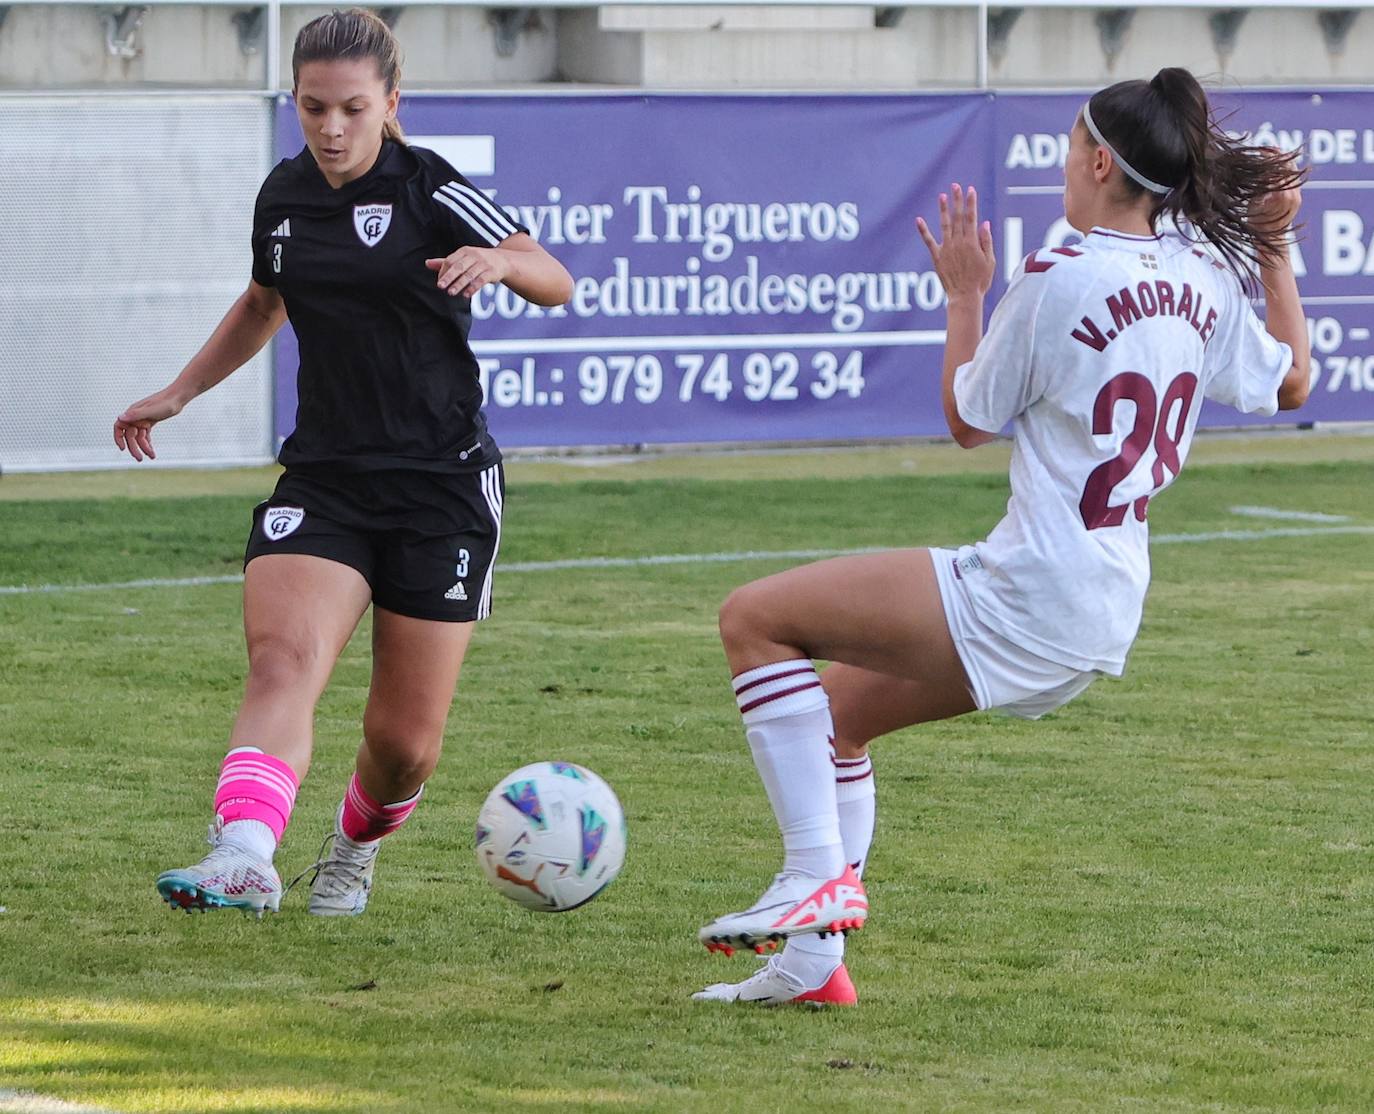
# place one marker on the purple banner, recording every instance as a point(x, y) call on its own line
point(747, 267)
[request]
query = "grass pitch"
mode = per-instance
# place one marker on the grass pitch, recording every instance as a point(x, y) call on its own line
point(1158, 898)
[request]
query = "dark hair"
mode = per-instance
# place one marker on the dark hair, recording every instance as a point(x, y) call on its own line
point(1165, 129)
point(355, 33)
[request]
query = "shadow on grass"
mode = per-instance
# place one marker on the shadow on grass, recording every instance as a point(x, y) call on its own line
point(135, 1056)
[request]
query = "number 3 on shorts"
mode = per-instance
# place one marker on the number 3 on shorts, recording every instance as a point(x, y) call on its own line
point(462, 563)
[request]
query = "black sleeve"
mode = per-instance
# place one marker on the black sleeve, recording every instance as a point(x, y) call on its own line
point(463, 210)
point(263, 274)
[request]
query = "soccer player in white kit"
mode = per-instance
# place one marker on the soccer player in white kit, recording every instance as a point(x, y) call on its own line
point(1099, 357)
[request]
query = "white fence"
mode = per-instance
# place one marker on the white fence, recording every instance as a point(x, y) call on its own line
point(126, 238)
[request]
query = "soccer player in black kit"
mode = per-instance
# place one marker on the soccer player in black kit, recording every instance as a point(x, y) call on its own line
point(393, 488)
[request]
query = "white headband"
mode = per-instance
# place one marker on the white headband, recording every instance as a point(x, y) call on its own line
point(1126, 168)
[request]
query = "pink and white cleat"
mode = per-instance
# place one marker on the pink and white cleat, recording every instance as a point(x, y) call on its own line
point(770, 985)
point(227, 878)
point(794, 905)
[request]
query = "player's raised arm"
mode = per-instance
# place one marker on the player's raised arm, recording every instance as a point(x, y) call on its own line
point(1283, 313)
point(251, 322)
point(965, 262)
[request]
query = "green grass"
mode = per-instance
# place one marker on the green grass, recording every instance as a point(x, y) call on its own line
point(1159, 898)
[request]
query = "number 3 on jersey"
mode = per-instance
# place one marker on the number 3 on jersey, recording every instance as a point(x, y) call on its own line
point(1131, 386)
point(276, 259)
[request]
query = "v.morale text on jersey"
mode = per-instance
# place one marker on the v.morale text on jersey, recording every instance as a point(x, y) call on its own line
point(1153, 298)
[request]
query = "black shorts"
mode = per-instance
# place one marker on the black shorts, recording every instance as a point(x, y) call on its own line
point(425, 542)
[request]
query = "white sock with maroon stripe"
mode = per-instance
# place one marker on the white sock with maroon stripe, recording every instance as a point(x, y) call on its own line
point(811, 958)
point(856, 800)
point(787, 721)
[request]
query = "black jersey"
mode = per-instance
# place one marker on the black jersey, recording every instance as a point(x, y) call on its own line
point(387, 379)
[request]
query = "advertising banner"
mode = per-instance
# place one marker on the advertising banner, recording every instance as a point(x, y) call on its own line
point(747, 267)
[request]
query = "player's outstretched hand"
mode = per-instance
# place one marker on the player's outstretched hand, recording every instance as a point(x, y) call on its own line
point(963, 256)
point(133, 429)
point(467, 270)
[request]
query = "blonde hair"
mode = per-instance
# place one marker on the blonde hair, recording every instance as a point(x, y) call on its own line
point(354, 33)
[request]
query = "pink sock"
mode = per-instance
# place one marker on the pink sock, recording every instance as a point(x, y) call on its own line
point(256, 786)
point(363, 820)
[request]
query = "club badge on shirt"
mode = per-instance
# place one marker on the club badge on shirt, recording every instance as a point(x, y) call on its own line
point(371, 222)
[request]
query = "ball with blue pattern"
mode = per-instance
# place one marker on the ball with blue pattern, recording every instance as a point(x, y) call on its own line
point(551, 836)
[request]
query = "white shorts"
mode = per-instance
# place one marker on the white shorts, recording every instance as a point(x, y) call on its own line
point(1003, 676)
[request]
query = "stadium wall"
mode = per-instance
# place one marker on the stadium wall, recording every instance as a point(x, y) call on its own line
point(130, 196)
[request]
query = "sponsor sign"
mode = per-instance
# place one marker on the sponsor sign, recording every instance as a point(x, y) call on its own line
point(747, 267)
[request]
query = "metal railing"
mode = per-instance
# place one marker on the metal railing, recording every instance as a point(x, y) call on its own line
point(123, 20)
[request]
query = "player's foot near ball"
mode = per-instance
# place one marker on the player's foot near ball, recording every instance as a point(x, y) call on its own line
point(343, 878)
point(771, 985)
point(794, 905)
point(229, 877)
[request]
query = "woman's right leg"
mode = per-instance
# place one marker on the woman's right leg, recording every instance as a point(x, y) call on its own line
point(299, 612)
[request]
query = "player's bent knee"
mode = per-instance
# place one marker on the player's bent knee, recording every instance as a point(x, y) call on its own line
point(742, 617)
point(277, 662)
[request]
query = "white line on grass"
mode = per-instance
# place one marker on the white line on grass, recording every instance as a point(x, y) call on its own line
point(1294, 516)
point(155, 582)
point(687, 559)
point(21, 1102)
point(1257, 535)
point(680, 559)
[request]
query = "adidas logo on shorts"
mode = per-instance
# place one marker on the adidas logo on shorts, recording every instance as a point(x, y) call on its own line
point(457, 592)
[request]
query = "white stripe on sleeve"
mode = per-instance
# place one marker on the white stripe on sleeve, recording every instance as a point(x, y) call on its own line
point(466, 217)
point(486, 205)
point(472, 214)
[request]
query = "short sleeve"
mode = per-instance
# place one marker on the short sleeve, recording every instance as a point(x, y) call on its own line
point(263, 274)
point(997, 384)
point(467, 213)
point(1247, 364)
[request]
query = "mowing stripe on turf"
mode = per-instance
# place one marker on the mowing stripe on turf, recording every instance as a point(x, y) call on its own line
point(680, 559)
point(21, 1102)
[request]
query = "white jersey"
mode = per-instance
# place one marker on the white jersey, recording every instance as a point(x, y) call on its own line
point(1100, 356)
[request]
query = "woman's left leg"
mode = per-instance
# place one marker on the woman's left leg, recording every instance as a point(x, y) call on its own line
point(415, 667)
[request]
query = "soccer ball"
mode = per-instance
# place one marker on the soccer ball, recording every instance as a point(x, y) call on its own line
point(551, 836)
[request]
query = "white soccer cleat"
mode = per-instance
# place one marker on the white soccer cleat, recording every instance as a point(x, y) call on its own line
point(794, 905)
point(343, 878)
point(770, 985)
point(227, 878)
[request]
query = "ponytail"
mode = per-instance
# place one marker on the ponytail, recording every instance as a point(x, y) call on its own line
point(354, 33)
point(1164, 128)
